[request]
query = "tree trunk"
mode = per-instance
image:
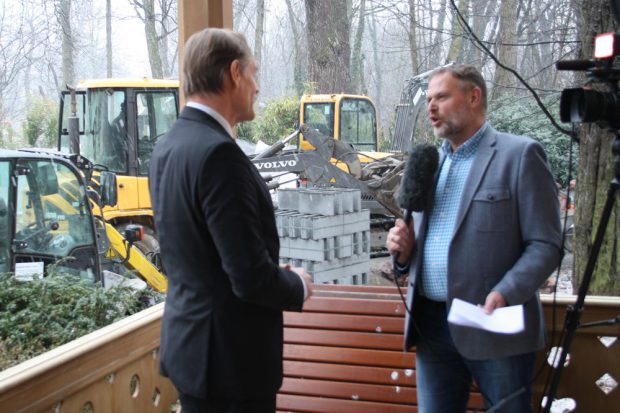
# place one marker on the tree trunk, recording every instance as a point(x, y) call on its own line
point(456, 46)
point(436, 59)
point(507, 53)
point(357, 59)
point(258, 35)
point(298, 73)
point(152, 39)
point(329, 49)
point(413, 43)
point(378, 72)
point(480, 23)
point(108, 37)
point(64, 20)
point(595, 175)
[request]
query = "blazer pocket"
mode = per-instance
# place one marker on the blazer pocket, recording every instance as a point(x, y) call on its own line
point(492, 210)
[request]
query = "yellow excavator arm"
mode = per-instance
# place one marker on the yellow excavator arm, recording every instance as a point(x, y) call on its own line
point(138, 262)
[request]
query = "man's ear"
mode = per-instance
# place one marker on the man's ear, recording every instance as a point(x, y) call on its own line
point(235, 72)
point(476, 96)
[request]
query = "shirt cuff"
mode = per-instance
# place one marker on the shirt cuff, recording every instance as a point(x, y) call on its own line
point(303, 282)
point(401, 269)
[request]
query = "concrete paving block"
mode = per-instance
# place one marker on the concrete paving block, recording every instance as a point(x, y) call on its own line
point(313, 250)
point(319, 202)
point(344, 246)
point(341, 273)
point(321, 226)
point(357, 216)
point(341, 262)
point(284, 216)
point(352, 200)
point(288, 199)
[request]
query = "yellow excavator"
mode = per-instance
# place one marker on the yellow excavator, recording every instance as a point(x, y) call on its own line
point(49, 217)
point(116, 125)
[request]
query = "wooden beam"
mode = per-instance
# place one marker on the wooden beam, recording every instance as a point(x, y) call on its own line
point(195, 15)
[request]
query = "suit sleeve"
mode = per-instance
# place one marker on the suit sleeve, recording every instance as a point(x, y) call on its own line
point(539, 221)
point(230, 200)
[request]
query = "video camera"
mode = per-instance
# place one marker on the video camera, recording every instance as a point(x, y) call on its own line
point(581, 105)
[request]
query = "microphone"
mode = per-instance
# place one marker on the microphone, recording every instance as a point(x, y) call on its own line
point(418, 179)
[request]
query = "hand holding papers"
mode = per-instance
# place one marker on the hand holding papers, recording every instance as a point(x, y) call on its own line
point(505, 320)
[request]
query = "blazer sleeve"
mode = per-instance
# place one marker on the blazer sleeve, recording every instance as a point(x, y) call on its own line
point(235, 211)
point(539, 220)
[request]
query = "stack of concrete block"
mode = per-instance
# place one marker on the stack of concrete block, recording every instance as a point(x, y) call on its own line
point(325, 231)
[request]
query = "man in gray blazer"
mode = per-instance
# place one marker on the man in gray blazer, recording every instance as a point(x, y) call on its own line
point(222, 335)
point(490, 235)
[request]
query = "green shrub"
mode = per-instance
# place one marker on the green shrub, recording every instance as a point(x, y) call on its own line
point(41, 125)
point(278, 119)
point(522, 116)
point(38, 315)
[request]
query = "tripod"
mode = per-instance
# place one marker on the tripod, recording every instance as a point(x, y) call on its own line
point(573, 312)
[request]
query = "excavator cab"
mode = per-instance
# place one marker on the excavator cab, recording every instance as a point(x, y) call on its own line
point(349, 118)
point(45, 217)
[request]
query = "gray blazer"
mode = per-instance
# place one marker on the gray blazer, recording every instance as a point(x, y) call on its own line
point(506, 238)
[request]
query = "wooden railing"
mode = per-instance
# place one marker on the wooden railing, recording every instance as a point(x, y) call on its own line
point(594, 355)
point(112, 370)
point(115, 369)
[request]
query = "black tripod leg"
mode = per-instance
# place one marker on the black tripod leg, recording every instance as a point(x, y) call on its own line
point(573, 312)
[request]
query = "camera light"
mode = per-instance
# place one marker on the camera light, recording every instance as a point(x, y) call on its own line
point(604, 46)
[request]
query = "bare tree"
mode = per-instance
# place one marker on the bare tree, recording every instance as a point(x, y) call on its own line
point(63, 14)
point(259, 29)
point(298, 55)
point(436, 58)
point(357, 58)
point(159, 23)
point(455, 52)
point(329, 49)
point(506, 40)
point(413, 43)
point(108, 37)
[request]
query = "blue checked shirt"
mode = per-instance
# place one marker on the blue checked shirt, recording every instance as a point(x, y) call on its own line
point(442, 217)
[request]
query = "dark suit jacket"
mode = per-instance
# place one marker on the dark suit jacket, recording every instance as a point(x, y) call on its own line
point(222, 327)
point(506, 238)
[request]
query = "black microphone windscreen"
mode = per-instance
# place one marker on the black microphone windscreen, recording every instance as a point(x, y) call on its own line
point(418, 177)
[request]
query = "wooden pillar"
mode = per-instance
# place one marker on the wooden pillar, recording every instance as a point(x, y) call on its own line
point(195, 15)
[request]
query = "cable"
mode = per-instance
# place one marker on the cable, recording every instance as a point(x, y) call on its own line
point(466, 26)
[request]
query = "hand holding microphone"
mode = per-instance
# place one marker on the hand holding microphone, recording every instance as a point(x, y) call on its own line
point(415, 189)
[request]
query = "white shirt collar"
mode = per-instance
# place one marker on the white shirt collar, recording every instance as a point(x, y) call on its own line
point(213, 113)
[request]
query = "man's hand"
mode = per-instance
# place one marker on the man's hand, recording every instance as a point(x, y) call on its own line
point(494, 300)
point(401, 240)
point(305, 277)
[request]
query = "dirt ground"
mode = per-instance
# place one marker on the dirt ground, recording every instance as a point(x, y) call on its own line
point(377, 266)
point(564, 280)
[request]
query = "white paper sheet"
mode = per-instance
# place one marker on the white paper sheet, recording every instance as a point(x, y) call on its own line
point(505, 320)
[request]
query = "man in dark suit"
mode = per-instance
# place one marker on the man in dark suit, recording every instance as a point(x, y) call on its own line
point(221, 338)
point(490, 236)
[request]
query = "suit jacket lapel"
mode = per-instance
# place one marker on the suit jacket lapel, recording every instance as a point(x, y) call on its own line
point(484, 154)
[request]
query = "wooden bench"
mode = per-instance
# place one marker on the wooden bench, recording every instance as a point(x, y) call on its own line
point(344, 354)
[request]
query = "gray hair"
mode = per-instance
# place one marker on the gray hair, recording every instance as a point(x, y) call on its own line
point(208, 55)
